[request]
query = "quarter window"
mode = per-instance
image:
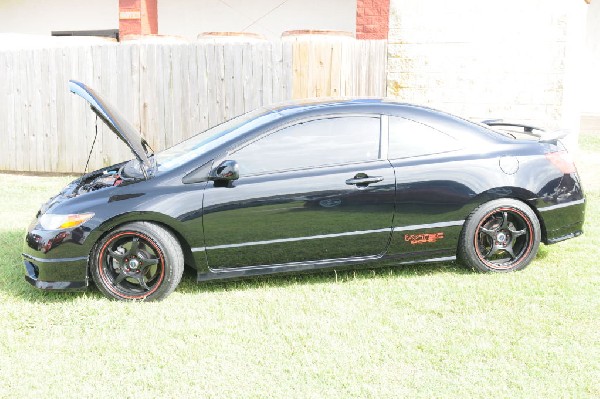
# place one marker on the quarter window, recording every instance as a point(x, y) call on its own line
point(313, 143)
point(408, 138)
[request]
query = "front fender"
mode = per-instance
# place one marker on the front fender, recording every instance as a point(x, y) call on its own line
point(178, 228)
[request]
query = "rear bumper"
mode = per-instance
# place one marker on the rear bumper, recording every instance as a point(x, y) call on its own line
point(564, 237)
point(563, 221)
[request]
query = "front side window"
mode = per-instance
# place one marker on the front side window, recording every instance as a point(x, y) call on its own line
point(319, 142)
point(411, 139)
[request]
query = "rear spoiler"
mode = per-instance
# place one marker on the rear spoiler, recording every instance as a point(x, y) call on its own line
point(542, 135)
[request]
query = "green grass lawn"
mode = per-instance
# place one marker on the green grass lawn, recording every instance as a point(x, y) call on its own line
point(420, 331)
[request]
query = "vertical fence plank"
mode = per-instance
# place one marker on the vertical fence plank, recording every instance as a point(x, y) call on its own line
point(193, 90)
point(267, 68)
point(86, 137)
point(232, 60)
point(43, 116)
point(18, 71)
point(203, 98)
point(29, 99)
point(257, 83)
point(299, 63)
point(222, 108)
point(243, 60)
point(286, 71)
point(53, 134)
point(335, 70)
point(177, 88)
point(211, 81)
point(277, 71)
point(5, 133)
point(145, 63)
point(167, 84)
point(247, 90)
point(60, 87)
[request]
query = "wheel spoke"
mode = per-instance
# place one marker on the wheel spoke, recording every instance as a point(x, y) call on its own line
point(149, 262)
point(493, 251)
point(517, 233)
point(509, 250)
point(142, 282)
point(122, 276)
point(135, 245)
point(488, 232)
point(116, 256)
point(504, 224)
point(145, 264)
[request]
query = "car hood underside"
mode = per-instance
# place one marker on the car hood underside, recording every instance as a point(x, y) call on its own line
point(115, 121)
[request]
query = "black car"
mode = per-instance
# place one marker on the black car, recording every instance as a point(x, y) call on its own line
point(305, 186)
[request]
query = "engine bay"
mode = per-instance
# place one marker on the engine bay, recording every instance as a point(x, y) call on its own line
point(115, 175)
point(97, 181)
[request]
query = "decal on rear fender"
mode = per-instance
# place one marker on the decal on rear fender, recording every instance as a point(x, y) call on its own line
point(423, 238)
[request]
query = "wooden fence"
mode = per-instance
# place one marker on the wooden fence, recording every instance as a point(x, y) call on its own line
point(168, 91)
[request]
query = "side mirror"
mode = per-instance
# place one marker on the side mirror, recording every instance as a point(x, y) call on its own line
point(226, 171)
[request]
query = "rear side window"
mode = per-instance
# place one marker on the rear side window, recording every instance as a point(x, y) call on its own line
point(320, 142)
point(412, 139)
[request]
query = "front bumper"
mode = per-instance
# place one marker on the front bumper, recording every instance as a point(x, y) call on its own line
point(56, 260)
point(56, 274)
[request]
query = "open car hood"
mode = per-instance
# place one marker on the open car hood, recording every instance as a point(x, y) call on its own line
point(115, 121)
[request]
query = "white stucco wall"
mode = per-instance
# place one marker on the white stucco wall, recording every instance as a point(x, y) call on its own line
point(42, 17)
point(514, 59)
point(591, 64)
point(188, 19)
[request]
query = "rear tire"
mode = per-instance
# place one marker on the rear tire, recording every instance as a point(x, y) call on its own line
point(137, 261)
point(500, 236)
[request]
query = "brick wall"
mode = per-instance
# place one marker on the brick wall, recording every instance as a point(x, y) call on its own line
point(514, 59)
point(138, 17)
point(372, 18)
point(149, 17)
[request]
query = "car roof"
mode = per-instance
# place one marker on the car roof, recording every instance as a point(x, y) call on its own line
point(303, 105)
point(440, 120)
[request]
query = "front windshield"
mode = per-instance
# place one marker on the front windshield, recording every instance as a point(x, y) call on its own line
point(208, 140)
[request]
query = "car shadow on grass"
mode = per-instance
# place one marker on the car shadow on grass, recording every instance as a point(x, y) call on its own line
point(13, 284)
point(384, 270)
point(387, 270)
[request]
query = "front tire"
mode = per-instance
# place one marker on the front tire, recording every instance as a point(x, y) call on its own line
point(137, 261)
point(500, 236)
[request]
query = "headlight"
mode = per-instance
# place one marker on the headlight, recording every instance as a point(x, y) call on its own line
point(49, 221)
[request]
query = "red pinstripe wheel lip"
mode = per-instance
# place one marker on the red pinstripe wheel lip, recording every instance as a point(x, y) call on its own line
point(529, 246)
point(105, 278)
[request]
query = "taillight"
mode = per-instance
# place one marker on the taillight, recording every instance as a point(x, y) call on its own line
point(563, 161)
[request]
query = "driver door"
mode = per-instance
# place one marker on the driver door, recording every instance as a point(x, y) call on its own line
point(311, 191)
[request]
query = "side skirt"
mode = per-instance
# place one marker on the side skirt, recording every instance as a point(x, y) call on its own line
point(250, 271)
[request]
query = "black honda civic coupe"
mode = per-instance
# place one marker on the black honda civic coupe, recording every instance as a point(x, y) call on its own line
point(306, 186)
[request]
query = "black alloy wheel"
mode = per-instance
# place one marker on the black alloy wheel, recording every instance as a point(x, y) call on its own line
point(501, 236)
point(137, 261)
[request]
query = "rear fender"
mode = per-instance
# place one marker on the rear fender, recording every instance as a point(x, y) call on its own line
point(516, 193)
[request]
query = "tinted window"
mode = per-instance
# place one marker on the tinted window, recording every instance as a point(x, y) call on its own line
point(410, 139)
point(313, 143)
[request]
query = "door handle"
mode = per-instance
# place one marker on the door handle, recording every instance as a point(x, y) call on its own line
point(364, 180)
